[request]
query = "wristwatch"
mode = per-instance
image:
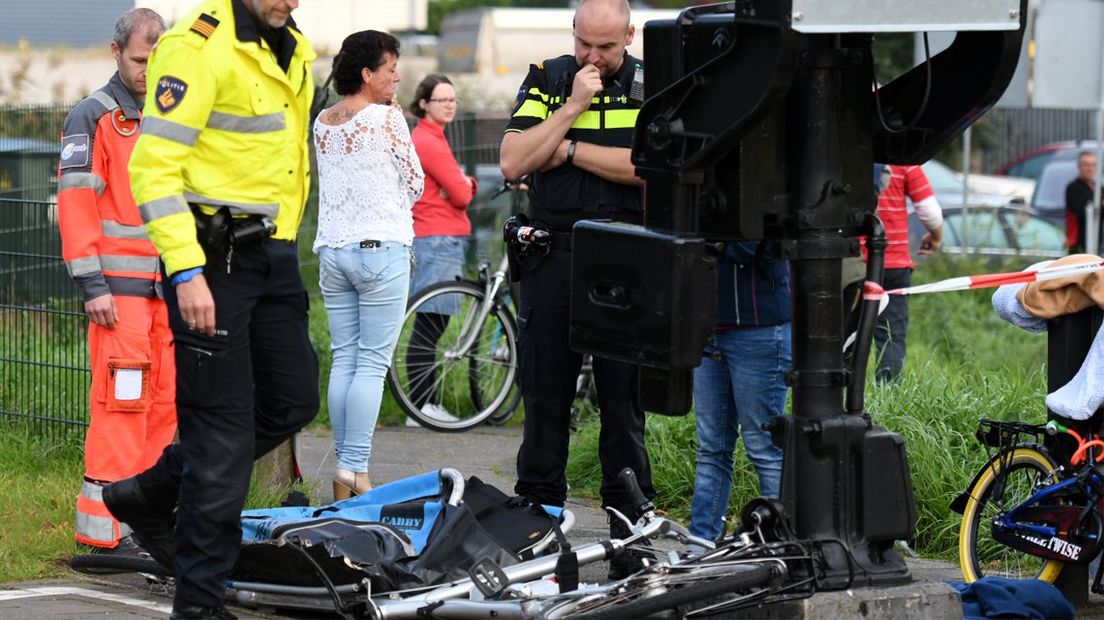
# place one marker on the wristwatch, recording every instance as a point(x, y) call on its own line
point(571, 150)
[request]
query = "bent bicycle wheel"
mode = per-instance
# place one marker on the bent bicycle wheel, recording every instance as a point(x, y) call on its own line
point(1007, 481)
point(456, 359)
point(652, 594)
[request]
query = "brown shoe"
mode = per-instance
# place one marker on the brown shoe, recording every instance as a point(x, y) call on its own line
point(348, 484)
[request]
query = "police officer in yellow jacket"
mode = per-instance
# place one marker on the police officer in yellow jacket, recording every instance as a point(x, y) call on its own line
point(221, 176)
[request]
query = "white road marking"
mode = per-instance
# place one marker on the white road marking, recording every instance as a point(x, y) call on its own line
point(15, 594)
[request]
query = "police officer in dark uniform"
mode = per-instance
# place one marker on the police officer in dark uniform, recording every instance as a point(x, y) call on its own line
point(571, 129)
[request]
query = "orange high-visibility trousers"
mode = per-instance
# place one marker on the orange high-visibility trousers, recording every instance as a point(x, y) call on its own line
point(133, 408)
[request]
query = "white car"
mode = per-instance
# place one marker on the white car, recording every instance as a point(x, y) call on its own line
point(984, 190)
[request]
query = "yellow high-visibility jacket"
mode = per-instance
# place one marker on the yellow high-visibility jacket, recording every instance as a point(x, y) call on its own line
point(224, 125)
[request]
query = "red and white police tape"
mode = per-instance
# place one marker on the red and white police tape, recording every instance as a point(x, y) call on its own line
point(993, 280)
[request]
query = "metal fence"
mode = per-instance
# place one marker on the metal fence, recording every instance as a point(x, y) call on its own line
point(1006, 133)
point(43, 356)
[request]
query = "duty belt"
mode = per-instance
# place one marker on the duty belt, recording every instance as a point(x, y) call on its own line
point(560, 240)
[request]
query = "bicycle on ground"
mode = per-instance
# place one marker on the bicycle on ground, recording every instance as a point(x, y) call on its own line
point(760, 563)
point(1036, 504)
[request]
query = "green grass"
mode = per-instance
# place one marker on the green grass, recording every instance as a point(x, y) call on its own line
point(39, 482)
point(964, 363)
point(40, 478)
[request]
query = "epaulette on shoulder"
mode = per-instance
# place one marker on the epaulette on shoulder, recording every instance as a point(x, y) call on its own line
point(540, 66)
point(204, 25)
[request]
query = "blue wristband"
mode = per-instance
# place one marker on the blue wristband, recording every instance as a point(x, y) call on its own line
point(181, 277)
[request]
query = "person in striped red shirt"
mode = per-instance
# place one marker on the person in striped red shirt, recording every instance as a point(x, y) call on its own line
point(896, 183)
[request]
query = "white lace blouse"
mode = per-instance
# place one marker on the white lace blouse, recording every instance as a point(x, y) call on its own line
point(369, 177)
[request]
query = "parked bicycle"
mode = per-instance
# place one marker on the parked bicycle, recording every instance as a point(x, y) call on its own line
point(467, 376)
point(1035, 505)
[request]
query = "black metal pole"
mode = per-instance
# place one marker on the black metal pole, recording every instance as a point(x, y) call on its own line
point(839, 468)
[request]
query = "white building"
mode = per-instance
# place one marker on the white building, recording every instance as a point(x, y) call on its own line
point(327, 22)
point(82, 24)
point(500, 41)
point(58, 50)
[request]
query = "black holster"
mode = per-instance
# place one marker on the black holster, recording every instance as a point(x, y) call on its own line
point(514, 249)
point(220, 231)
point(213, 230)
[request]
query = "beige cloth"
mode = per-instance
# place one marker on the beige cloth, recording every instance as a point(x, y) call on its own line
point(1053, 298)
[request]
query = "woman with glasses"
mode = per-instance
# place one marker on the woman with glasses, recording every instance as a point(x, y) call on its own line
point(441, 230)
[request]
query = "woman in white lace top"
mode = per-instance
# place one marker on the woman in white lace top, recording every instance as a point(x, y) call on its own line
point(369, 178)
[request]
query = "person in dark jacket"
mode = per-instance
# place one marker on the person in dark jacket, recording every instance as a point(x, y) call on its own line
point(1079, 195)
point(740, 384)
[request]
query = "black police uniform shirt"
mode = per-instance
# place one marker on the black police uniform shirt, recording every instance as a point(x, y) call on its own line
point(563, 195)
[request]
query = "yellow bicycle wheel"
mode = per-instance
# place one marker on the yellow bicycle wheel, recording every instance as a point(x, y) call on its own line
point(1007, 480)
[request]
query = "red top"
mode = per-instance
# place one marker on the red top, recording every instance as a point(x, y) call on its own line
point(904, 181)
point(442, 208)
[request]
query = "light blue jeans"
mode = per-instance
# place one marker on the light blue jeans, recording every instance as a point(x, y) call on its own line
point(365, 291)
point(737, 394)
point(439, 258)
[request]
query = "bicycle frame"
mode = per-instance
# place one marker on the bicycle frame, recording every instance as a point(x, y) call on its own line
point(1019, 527)
point(1048, 537)
point(469, 330)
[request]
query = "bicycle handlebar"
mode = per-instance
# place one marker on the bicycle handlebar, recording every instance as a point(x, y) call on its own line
point(641, 504)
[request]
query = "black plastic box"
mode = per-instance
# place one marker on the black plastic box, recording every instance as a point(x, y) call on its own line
point(641, 296)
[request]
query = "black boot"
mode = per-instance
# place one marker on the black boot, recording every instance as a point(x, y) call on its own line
point(196, 611)
point(629, 561)
point(127, 548)
point(152, 524)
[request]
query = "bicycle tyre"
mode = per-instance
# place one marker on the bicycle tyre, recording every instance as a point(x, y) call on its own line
point(683, 590)
point(472, 385)
point(106, 564)
point(1015, 476)
point(508, 409)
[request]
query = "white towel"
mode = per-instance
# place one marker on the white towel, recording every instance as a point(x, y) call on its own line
point(1010, 309)
point(1082, 396)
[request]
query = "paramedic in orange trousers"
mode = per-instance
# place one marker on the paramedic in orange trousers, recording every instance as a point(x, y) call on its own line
point(116, 269)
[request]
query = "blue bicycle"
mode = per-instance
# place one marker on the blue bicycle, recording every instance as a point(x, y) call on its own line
point(1035, 505)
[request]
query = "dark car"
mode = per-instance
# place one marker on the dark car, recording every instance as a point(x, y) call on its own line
point(1030, 165)
point(1049, 198)
point(995, 231)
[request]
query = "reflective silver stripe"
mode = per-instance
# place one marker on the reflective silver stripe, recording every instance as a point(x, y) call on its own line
point(95, 528)
point(82, 266)
point(106, 99)
point(92, 491)
point(238, 208)
point(169, 130)
point(162, 207)
point(129, 263)
point(247, 124)
point(131, 287)
point(80, 180)
point(92, 527)
point(112, 228)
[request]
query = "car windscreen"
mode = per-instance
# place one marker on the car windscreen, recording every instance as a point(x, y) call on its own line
point(1050, 192)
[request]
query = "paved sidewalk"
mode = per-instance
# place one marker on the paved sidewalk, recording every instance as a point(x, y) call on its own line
point(397, 453)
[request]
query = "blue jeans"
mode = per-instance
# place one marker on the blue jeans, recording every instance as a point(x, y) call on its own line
point(737, 393)
point(438, 259)
point(365, 291)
